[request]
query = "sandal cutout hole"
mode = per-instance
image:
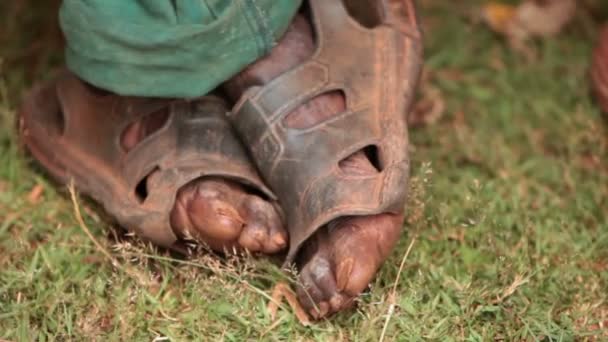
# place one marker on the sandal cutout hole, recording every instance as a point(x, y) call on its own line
point(371, 152)
point(141, 189)
point(51, 115)
point(57, 121)
point(138, 130)
point(316, 110)
point(368, 13)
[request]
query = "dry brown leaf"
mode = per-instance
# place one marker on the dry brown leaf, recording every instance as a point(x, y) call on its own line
point(543, 18)
point(530, 19)
point(498, 16)
point(35, 194)
point(280, 291)
point(519, 281)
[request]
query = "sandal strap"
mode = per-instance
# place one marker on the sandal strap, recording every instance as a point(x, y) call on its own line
point(195, 141)
point(202, 146)
point(369, 66)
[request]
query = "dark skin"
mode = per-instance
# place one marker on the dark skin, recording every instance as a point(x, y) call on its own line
point(340, 260)
point(220, 213)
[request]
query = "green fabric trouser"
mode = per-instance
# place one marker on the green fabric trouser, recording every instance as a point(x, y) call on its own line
point(169, 48)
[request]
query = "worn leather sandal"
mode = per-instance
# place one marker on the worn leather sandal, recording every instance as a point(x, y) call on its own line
point(75, 132)
point(599, 70)
point(373, 58)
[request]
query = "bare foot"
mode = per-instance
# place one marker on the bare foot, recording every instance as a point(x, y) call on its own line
point(218, 212)
point(340, 260)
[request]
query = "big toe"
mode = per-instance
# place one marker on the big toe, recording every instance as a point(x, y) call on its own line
point(221, 214)
point(345, 259)
point(318, 291)
point(361, 244)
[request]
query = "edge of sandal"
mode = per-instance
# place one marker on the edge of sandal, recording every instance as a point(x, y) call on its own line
point(114, 186)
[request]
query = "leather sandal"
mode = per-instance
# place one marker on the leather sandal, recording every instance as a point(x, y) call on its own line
point(374, 59)
point(75, 132)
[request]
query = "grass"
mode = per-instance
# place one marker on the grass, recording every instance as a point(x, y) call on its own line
point(508, 217)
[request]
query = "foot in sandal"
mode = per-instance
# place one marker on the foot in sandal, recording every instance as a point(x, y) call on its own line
point(170, 170)
point(324, 119)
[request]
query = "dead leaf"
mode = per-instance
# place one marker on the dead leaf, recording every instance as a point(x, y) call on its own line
point(35, 194)
point(280, 291)
point(529, 19)
point(601, 327)
point(519, 281)
point(498, 16)
point(543, 18)
point(457, 234)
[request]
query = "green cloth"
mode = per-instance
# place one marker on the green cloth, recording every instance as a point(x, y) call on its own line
point(169, 48)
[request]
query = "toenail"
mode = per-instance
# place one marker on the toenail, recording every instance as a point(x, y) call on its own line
point(321, 310)
point(279, 240)
point(336, 302)
point(343, 273)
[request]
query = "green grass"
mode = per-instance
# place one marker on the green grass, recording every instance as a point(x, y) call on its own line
point(508, 216)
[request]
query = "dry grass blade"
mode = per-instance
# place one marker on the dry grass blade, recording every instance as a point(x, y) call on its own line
point(517, 283)
point(393, 294)
point(518, 163)
point(135, 274)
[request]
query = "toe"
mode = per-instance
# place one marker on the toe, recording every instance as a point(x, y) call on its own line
point(215, 218)
point(343, 259)
point(312, 287)
point(225, 217)
point(361, 244)
point(253, 236)
point(204, 212)
point(318, 290)
point(264, 230)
